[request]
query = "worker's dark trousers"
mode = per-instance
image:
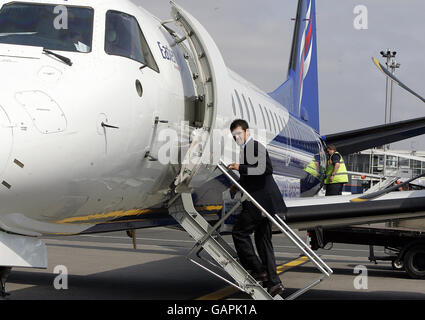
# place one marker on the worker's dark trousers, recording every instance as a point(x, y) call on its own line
point(249, 221)
point(334, 189)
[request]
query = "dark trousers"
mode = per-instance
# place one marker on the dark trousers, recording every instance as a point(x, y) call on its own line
point(250, 220)
point(334, 189)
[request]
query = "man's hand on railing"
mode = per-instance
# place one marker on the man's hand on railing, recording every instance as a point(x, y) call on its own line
point(233, 166)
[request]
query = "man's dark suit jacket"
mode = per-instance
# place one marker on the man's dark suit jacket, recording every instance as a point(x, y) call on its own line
point(256, 178)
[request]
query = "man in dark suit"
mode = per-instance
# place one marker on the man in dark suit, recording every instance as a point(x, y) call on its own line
point(256, 178)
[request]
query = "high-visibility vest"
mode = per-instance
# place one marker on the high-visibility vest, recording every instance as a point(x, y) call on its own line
point(340, 176)
point(312, 169)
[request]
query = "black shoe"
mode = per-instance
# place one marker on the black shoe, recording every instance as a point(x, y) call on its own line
point(276, 289)
point(260, 276)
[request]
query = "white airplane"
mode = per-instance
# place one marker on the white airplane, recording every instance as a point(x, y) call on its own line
point(89, 92)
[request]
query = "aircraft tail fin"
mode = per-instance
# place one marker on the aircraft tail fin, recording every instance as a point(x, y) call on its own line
point(300, 92)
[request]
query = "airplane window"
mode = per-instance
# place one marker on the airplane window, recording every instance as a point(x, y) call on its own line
point(240, 103)
point(282, 122)
point(275, 120)
point(38, 25)
point(279, 118)
point(268, 118)
point(262, 114)
point(288, 133)
point(123, 37)
point(274, 124)
point(299, 137)
point(233, 106)
point(295, 136)
point(277, 123)
point(302, 137)
point(246, 108)
point(253, 110)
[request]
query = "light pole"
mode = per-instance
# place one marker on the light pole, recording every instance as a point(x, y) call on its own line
point(392, 65)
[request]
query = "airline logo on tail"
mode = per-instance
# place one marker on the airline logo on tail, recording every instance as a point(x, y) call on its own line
point(305, 54)
point(300, 93)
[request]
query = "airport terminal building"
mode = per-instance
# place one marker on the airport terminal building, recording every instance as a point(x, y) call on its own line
point(401, 163)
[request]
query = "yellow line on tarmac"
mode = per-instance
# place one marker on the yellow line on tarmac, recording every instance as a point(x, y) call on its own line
point(219, 294)
point(282, 268)
point(229, 290)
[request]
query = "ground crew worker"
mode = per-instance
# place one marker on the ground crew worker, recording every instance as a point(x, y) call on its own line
point(314, 175)
point(336, 172)
point(313, 168)
point(256, 177)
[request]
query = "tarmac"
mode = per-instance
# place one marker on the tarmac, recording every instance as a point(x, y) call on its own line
point(106, 267)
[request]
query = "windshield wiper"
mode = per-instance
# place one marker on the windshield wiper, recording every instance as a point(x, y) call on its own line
point(62, 58)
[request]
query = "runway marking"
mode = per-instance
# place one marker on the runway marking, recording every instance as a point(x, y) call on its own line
point(229, 290)
point(282, 268)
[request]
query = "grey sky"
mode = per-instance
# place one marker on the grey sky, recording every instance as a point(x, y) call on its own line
point(255, 39)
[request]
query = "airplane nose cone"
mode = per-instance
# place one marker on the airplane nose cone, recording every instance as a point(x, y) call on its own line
point(6, 139)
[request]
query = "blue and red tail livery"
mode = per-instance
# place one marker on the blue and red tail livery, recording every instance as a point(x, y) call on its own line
point(299, 94)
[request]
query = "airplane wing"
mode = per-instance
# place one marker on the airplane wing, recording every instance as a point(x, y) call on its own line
point(334, 211)
point(361, 139)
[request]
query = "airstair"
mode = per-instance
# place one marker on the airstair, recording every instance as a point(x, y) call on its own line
point(206, 66)
point(207, 238)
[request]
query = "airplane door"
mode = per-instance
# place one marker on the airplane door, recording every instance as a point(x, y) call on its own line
point(206, 61)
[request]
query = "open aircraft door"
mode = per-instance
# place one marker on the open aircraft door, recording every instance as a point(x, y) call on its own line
point(210, 76)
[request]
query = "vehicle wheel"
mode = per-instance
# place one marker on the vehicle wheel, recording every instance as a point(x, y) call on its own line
point(397, 264)
point(414, 262)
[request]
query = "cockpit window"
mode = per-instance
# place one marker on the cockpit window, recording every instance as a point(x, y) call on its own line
point(123, 37)
point(63, 28)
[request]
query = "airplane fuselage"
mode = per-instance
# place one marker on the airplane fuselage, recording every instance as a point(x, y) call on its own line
point(82, 142)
